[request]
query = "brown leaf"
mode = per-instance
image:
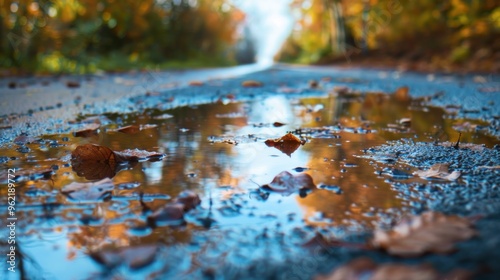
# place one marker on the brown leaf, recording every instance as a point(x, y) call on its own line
point(89, 191)
point(438, 171)
point(88, 131)
point(287, 183)
point(365, 268)
point(402, 94)
point(278, 124)
point(251, 83)
point(133, 129)
point(96, 162)
point(287, 144)
point(72, 84)
point(138, 155)
point(133, 257)
point(196, 83)
point(430, 232)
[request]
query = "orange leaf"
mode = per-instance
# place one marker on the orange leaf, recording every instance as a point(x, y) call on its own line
point(287, 144)
point(251, 83)
point(287, 183)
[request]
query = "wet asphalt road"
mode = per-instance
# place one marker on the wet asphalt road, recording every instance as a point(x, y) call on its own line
point(38, 106)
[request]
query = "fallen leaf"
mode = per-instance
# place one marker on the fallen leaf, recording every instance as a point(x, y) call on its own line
point(72, 84)
point(278, 124)
point(133, 129)
point(287, 183)
point(287, 144)
point(89, 191)
point(251, 83)
point(196, 83)
point(88, 131)
point(313, 84)
point(133, 257)
point(97, 162)
point(402, 94)
point(138, 155)
point(438, 171)
point(430, 232)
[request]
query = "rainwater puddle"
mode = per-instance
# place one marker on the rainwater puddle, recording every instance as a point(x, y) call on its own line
point(218, 151)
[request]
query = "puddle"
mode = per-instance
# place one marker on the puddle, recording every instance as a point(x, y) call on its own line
point(218, 151)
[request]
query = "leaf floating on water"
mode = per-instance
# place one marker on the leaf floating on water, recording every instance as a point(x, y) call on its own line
point(133, 129)
point(196, 83)
point(287, 144)
point(402, 94)
point(133, 257)
point(96, 162)
point(251, 83)
point(94, 153)
point(430, 232)
point(287, 183)
point(138, 155)
point(438, 171)
point(366, 268)
point(89, 191)
point(73, 84)
point(88, 131)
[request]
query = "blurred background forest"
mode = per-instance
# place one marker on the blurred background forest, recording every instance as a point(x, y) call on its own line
point(85, 36)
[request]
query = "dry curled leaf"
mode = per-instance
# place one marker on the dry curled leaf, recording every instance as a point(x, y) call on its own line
point(88, 131)
point(251, 83)
point(96, 162)
point(133, 257)
point(89, 191)
point(287, 183)
point(430, 232)
point(287, 144)
point(438, 171)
